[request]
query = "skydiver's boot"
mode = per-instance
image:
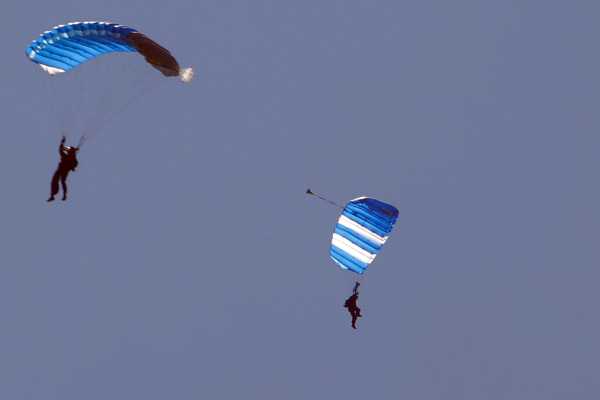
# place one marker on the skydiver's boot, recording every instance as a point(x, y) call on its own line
point(64, 197)
point(51, 198)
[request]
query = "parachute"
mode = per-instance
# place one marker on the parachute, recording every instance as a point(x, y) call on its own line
point(361, 230)
point(65, 47)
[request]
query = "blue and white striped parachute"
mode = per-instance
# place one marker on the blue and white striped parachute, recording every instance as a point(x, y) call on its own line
point(360, 232)
point(65, 47)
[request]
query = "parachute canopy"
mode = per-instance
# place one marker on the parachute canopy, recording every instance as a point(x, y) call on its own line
point(65, 47)
point(360, 232)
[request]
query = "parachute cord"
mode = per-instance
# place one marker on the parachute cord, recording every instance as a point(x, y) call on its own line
point(333, 203)
point(358, 281)
point(57, 111)
point(90, 133)
point(361, 279)
point(82, 140)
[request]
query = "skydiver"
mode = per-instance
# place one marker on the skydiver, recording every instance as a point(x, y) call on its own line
point(351, 305)
point(68, 162)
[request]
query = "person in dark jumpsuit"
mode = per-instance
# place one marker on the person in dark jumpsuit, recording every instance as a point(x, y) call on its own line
point(351, 305)
point(68, 162)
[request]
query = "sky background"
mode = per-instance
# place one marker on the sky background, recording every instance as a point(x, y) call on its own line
point(188, 263)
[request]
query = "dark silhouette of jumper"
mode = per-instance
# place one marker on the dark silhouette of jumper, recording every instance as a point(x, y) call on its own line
point(351, 305)
point(68, 162)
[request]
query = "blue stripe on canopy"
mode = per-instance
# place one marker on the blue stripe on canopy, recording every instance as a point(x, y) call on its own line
point(346, 261)
point(356, 242)
point(67, 46)
point(357, 239)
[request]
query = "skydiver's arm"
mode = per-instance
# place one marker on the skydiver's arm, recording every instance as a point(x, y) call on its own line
point(61, 148)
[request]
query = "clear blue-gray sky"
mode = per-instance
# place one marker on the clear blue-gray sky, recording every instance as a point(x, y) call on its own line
point(189, 264)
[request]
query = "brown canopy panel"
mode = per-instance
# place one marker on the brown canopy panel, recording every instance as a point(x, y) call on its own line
point(154, 54)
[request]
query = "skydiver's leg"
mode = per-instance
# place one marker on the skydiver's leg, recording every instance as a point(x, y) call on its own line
point(63, 181)
point(351, 313)
point(354, 317)
point(54, 185)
